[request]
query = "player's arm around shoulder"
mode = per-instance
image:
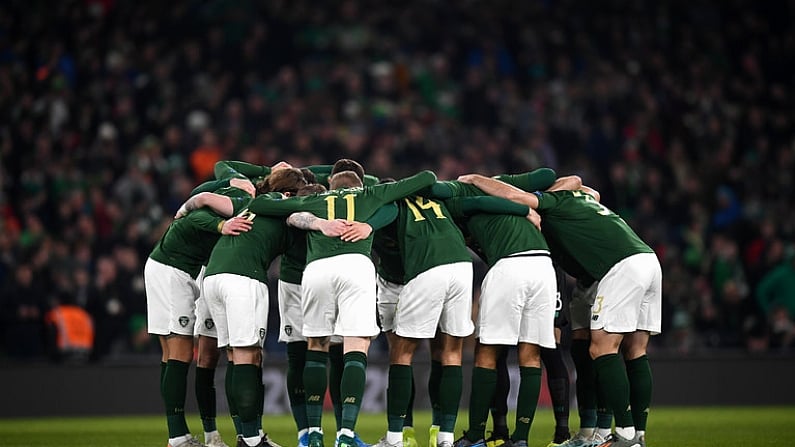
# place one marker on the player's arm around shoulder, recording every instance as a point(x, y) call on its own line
point(567, 183)
point(220, 204)
point(305, 220)
point(497, 188)
point(591, 192)
point(269, 205)
point(389, 192)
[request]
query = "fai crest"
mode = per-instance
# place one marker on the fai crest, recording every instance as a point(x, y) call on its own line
point(208, 323)
point(288, 329)
point(183, 321)
point(262, 333)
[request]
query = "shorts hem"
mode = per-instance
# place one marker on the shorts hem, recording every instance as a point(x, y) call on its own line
point(503, 342)
point(553, 345)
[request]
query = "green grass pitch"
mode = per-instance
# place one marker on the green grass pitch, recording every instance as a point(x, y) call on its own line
point(674, 427)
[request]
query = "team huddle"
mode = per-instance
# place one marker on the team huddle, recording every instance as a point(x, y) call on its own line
point(361, 255)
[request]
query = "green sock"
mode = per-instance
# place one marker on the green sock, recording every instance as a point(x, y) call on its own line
point(640, 386)
point(434, 379)
point(604, 415)
point(260, 396)
point(398, 395)
point(162, 375)
point(230, 397)
point(296, 357)
point(352, 387)
point(315, 382)
point(611, 376)
point(484, 382)
point(408, 421)
point(205, 397)
point(336, 366)
point(175, 383)
point(529, 389)
point(245, 387)
point(449, 396)
point(586, 383)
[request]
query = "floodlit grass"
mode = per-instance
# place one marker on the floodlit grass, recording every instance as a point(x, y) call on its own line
point(675, 427)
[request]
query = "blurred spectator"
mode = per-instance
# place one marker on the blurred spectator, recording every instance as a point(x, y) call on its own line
point(776, 297)
point(109, 308)
point(680, 113)
point(70, 330)
point(23, 307)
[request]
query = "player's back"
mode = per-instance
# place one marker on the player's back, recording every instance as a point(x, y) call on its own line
point(250, 253)
point(188, 241)
point(428, 236)
point(501, 235)
point(587, 230)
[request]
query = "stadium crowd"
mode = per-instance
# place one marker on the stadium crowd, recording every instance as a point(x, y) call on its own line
point(679, 113)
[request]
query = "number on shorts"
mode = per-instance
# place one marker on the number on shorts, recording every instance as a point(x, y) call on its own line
point(598, 304)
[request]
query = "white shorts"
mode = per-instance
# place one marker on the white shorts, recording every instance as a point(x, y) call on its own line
point(291, 319)
point(205, 324)
point(239, 305)
point(338, 297)
point(438, 297)
point(629, 296)
point(387, 294)
point(582, 299)
point(170, 299)
point(517, 302)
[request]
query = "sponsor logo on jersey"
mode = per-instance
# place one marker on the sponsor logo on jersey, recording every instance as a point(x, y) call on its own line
point(183, 321)
point(209, 323)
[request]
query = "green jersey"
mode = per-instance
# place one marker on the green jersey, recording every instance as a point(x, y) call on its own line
point(293, 262)
point(427, 236)
point(291, 268)
point(587, 231)
point(251, 253)
point(537, 180)
point(497, 235)
point(188, 241)
point(390, 263)
point(355, 204)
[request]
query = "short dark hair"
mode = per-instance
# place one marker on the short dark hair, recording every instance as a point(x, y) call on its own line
point(346, 164)
point(309, 176)
point(312, 188)
point(282, 180)
point(344, 179)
